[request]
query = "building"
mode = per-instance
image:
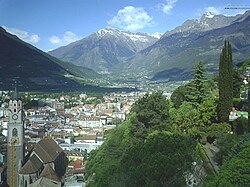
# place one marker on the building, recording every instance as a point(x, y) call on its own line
point(15, 141)
point(46, 160)
point(45, 163)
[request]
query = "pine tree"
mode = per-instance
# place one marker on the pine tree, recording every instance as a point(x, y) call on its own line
point(225, 83)
point(197, 88)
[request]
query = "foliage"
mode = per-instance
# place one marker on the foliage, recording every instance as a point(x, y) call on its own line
point(192, 120)
point(225, 83)
point(159, 161)
point(238, 103)
point(163, 158)
point(104, 164)
point(151, 111)
point(156, 146)
point(180, 95)
point(207, 163)
point(186, 118)
point(240, 125)
point(197, 87)
point(207, 112)
point(140, 152)
point(225, 142)
point(28, 103)
point(237, 83)
point(219, 129)
point(235, 172)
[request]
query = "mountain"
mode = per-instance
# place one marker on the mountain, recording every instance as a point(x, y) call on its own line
point(105, 49)
point(208, 21)
point(175, 54)
point(169, 56)
point(34, 69)
point(157, 35)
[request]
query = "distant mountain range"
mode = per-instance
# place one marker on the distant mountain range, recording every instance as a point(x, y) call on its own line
point(171, 56)
point(35, 70)
point(104, 49)
point(178, 51)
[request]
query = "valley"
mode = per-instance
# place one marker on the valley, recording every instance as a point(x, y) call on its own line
point(139, 56)
point(107, 93)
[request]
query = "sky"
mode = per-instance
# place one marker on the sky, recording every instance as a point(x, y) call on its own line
point(49, 24)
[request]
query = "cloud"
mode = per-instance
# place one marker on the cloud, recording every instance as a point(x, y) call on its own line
point(167, 6)
point(68, 37)
point(23, 35)
point(131, 18)
point(54, 40)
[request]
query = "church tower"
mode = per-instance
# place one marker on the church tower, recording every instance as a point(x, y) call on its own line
point(15, 150)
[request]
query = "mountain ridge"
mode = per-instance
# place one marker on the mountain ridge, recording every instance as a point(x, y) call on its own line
point(103, 49)
point(33, 68)
point(180, 48)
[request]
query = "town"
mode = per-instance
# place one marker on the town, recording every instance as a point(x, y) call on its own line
point(77, 123)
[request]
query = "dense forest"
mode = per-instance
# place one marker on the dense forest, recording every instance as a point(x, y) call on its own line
point(187, 140)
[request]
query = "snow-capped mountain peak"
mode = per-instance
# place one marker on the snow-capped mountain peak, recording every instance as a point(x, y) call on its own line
point(127, 35)
point(209, 14)
point(157, 35)
point(108, 30)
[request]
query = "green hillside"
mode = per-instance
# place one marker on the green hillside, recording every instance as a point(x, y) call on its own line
point(36, 70)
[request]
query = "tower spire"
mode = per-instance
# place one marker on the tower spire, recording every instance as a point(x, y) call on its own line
point(16, 92)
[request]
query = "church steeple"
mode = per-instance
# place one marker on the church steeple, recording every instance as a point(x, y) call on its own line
point(15, 141)
point(15, 93)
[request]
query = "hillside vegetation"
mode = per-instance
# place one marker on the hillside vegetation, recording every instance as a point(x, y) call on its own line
point(36, 70)
point(174, 142)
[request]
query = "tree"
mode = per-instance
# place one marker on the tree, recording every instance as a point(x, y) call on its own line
point(240, 125)
point(197, 88)
point(152, 111)
point(194, 91)
point(185, 117)
point(234, 172)
point(225, 83)
point(207, 110)
point(159, 161)
point(180, 95)
point(237, 83)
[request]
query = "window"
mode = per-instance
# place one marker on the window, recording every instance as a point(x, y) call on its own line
point(14, 132)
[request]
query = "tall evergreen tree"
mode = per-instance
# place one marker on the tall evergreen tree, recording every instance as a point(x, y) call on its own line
point(225, 83)
point(197, 88)
point(237, 83)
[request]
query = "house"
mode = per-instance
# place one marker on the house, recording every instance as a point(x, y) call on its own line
point(46, 160)
point(47, 178)
point(87, 139)
point(76, 168)
point(89, 122)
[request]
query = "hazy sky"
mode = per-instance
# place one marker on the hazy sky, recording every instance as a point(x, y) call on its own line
point(48, 24)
